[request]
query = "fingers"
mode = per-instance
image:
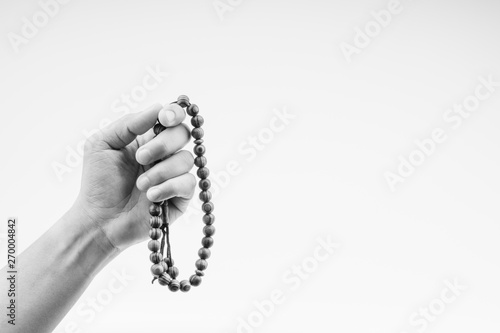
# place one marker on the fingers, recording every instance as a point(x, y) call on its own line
point(180, 163)
point(171, 115)
point(123, 131)
point(164, 144)
point(182, 186)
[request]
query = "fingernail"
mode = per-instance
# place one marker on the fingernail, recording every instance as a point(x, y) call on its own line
point(143, 183)
point(153, 194)
point(143, 156)
point(170, 115)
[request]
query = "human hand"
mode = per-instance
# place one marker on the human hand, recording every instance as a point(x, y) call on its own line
point(118, 183)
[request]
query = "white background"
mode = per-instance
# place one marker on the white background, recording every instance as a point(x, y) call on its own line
point(321, 176)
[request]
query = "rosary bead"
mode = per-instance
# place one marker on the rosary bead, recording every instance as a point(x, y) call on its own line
point(155, 222)
point(183, 101)
point(158, 128)
point(199, 273)
point(155, 210)
point(200, 161)
point(169, 262)
point(155, 233)
point(201, 264)
point(199, 150)
point(204, 253)
point(207, 242)
point(203, 172)
point(164, 265)
point(173, 272)
point(208, 219)
point(198, 141)
point(197, 121)
point(157, 269)
point(192, 110)
point(153, 245)
point(204, 184)
point(164, 279)
point(207, 207)
point(185, 286)
point(197, 133)
point(155, 257)
point(174, 285)
point(195, 280)
point(205, 196)
point(209, 230)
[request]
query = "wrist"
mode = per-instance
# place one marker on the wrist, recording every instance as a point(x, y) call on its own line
point(87, 244)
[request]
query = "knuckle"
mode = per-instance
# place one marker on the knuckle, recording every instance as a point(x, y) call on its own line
point(92, 142)
point(165, 146)
point(191, 181)
point(186, 132)
point(187, 159)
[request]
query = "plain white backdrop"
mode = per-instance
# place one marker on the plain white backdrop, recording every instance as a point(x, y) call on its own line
point(309, 106)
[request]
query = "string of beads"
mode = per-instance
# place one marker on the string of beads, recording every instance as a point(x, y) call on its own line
point(163, 268)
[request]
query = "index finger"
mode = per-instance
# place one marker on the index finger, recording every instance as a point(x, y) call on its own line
point(171, 115)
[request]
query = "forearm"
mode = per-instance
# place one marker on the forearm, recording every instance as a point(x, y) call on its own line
point(55, 270)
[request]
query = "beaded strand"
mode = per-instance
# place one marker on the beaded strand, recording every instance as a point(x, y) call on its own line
point(163, 268)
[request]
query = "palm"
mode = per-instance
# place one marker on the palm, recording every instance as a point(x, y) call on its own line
point(112, 194)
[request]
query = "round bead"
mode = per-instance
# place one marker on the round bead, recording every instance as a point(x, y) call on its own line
point(185, 286)
point(199, 273)
point(207, 242)
point(192, 110)
point(203, 172)
point(174, 285)
point(207, 207)
point(155, 257)
point(208, 219)
point(157, 269)
point(183, 101)
point(195, 280)
point(205, 196)
point(153, 245)
point(155, 233)
point(201, 264)
point(197, 133)
point(197, 121)
point(199, 150)
point(173, 272)
point(155, 222)
point(164, 265)
point(204, 253)
point(164, 279)
point(209, 230)
point(155, 210)
point(158, 128)
point(200, 161)
point(169, 262)
point(198, 141)
point(204, 184)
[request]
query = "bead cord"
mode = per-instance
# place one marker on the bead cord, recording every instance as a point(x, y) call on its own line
point(163, 268)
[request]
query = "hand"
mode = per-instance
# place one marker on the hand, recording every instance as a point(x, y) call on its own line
point(118, 183)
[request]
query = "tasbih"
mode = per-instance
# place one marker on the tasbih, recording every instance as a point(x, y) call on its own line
point(163, 268)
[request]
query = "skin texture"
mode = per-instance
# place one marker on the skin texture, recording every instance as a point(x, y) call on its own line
point(109, 215)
